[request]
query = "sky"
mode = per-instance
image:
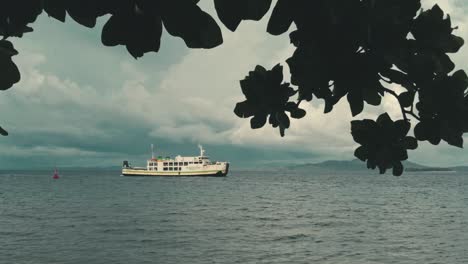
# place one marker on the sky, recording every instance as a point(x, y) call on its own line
point(80, 104)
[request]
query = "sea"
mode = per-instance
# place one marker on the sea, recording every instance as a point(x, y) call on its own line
point(250, 216)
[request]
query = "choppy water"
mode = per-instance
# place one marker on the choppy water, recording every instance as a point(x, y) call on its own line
point(248, 217)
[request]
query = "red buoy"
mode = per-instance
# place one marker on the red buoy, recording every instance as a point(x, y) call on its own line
point(56, 176)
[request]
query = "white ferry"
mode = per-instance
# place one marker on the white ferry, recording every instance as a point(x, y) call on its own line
point(179, 166)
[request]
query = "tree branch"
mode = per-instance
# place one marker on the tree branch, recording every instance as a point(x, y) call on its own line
point(403, 111)
point(299, 102)
point(413, 115)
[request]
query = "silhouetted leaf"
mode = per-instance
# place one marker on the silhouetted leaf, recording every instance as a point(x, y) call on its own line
point(361, 153)
point(244, 109)
point(16, 15)
point(258, 121)
point(139, 33)
point(432, 30)
point(281, 18)
point(283, 119)
point(197, 28)
point(372, 97)
point(267, 95)
point(410, 143)
point(456, 141)
point(397, 168)
point(328, 106)
point(86, 12)
point(384, 120)
point(56, 9)
point(281, 129)
point(400, 78)
point(356, 103)
point(298, 113)
point(3, 132)
point(231, 13)
point(461, 78)
point(406, 99)
point(10, 73)
point(422, 131)
point(290, 106)
point(383, 142)
point(402, 127)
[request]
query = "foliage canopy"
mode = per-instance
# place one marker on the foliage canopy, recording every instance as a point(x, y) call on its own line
point(344, 48)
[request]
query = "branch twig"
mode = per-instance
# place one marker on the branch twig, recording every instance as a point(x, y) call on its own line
point(413, 115)
point(403, 111)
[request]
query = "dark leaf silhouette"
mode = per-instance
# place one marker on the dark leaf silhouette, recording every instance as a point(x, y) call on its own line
point(298, 113)
point(281, 18)
point(186, 20)
point(384, 143)
point(16, 15)
point(141, 33)
point(441, 106)
point(56, 9)
point(432, 30)
point(3, 132)
point(267, 97)
point(10, 73)
point(232, 13)
point(406, 99)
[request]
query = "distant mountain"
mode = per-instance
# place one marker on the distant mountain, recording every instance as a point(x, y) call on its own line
point(460, 168)
point(357, 165)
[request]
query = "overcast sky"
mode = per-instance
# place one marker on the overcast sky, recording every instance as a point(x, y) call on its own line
point(82, 104)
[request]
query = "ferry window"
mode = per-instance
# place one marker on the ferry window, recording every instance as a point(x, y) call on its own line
point(165, 163)
point(181, 163)
point(170, 168)
point(170, 164)
point(185, 163)
point(190, 162)
point(165, 168)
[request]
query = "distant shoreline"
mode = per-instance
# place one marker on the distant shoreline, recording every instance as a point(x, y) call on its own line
point(429, 169)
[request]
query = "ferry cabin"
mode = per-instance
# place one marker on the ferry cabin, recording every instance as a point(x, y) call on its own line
point(179, 163)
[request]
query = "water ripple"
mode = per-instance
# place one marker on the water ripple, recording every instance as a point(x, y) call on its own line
point(249, 217)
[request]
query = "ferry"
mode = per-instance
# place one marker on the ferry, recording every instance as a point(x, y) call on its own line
point(179, 166)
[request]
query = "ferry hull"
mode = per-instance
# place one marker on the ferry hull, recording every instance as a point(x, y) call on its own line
point(146, 173)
